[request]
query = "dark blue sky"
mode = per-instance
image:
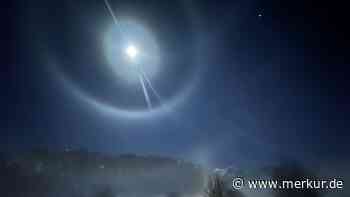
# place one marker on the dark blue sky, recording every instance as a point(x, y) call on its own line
point(271, 87)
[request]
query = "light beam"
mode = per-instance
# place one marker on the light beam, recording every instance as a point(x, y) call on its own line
point(111, 12)
point(132, 52)
point(148, 100)
point(151, 86)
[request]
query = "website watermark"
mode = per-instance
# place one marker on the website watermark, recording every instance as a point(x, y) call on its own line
point(240, 183)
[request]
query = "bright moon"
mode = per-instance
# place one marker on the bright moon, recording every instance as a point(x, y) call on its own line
point(125, 49)
point(131, 51)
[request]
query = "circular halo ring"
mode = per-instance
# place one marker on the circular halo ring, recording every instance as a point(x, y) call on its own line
point(116, 111)
point(123, 113)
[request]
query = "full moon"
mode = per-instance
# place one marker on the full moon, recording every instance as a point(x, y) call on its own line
point(131, 51)
point(129, 44)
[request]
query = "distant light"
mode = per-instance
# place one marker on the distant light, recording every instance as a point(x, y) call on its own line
point(131, 51)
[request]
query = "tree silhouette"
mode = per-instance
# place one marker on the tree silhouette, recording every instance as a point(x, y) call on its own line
point(215, 187)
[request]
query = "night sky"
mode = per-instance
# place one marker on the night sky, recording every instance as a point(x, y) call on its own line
point(270, 80)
